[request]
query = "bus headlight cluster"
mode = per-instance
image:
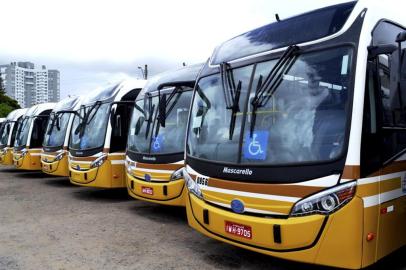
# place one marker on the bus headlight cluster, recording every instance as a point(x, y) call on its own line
point(326, 201)
point(191, 185)
point(59, 156)
point(98, 162)
point(24, 152)
point(176, 175)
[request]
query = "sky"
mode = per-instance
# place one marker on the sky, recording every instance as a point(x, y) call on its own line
point(94, 43)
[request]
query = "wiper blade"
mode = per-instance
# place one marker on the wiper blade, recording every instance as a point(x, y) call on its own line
point(231, 94)
point(265, 89)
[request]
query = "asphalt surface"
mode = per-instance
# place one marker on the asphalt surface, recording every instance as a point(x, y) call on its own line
point(47, 223)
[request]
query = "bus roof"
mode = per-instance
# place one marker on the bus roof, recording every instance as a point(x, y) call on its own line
point(113, 92)
point(39, 109)
point(186, 75)
point(67, 104)
point(14, 115)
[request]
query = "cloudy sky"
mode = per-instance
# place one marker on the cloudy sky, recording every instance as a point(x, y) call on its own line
point(97, 42)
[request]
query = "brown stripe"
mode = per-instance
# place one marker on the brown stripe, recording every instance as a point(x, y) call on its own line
point(82, 158)
point(65, 148)
point(351, 172)
point(394, 167)
point(270, 189)
point(106, 150)
point(159, 166)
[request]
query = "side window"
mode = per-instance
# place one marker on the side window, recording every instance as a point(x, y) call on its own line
point(391, 96)
point(120, 123)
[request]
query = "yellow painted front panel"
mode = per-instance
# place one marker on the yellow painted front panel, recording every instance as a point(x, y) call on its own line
point(296, 232)
point(339, 233)
point(59, 168)
point(6, 157)
point(175, 191)
point(342, 243)
point(108, 175)
point(31, 160)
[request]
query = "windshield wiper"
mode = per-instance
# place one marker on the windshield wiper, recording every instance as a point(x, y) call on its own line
point(85, 119)
point(231, 94)
point(151, 109)
point(265, 89)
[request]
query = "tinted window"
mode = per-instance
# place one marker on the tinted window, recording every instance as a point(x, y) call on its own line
point(319, 23)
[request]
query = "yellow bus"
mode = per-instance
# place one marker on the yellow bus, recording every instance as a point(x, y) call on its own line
point(54, 158)
point(7, 136)
point(155, 147)
point(29, 137)
point(296, 143)
point(99, 135)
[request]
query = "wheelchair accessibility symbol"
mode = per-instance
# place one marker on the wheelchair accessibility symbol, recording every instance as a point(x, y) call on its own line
point(255, 147)
point(157, 143)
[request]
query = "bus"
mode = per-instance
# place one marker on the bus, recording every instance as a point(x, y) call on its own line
point(7, 136)
point(54, 158)
point(296, 141)
point(29, 137)
point(155, 147)
point(99, 135)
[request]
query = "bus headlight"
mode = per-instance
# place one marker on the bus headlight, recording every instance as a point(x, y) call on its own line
point(325, 202)
point(191, 185)
point(176, 175)
point(59, 156)
point(98, 162)
point(24, 152)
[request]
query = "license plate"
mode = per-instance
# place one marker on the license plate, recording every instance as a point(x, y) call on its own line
point(238, 230)
point(147, 190)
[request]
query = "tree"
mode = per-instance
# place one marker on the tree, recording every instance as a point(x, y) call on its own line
point(7, 104)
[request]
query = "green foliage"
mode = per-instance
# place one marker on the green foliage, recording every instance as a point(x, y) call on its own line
point(7, 105)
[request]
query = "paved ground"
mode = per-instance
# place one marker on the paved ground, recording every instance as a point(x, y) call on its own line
point(46, 223)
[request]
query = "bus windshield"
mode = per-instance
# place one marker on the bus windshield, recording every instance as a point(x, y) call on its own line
point(5, 133)
point(150, 137)
point(302, 119)
point(22, 132)
point(56, 129)
point(89, 127)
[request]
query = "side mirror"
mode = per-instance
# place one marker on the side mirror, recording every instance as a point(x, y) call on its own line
point(401, 37)
point(162, 110)
point(374, 51)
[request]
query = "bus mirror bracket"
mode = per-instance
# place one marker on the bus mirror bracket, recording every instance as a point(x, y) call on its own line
point(374, 51)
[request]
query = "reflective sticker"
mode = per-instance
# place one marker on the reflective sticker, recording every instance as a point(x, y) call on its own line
point(157, 143)
point(197, 122)
point(255, 147)
point(344, 65)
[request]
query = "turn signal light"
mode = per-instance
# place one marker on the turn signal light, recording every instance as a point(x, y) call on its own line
point(370, 236)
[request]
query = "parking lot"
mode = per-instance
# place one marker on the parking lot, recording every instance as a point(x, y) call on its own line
point(46, 223)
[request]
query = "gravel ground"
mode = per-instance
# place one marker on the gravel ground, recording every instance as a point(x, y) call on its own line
point(46, 223)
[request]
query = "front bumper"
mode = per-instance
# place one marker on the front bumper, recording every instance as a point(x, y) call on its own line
point(335, 240)
point(167, 193)
point(6, 156)
point(30, 161)
point(58, 168)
